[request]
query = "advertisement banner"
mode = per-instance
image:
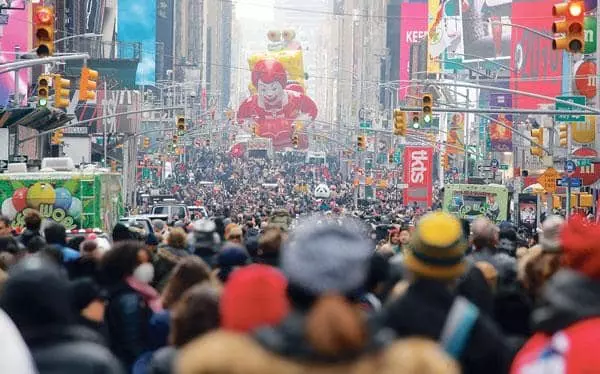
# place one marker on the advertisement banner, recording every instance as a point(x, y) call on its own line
point(501, 136)
point(486, 29)
point(456, 133)
point(470, 201)
point(418, 175)
point(16, 32)
point(528, 211)
point(141, 28)
point(75, 201)
point(413, 29)
point(535, 67)
point(434, 34)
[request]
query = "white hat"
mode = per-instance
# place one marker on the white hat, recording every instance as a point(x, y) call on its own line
point(550, 235)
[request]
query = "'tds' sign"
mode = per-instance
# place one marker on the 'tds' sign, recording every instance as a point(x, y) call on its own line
point(418, 175)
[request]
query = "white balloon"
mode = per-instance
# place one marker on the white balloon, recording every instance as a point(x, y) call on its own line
point(8, 209)
point(322, 191)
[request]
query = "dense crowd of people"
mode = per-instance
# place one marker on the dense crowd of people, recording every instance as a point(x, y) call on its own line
point(275, 294)
point(278, 280)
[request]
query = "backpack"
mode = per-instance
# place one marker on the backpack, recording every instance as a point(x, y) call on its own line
point(457, 329)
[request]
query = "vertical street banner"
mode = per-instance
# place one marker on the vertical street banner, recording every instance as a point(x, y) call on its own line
point(501, 131)
point(434, 34)
point(535, 66)
point(413, 29)
point(418, 175)
point(456, 133)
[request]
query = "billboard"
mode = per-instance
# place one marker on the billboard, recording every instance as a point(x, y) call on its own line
point(418, 175)
point(486, 29)
point(470, 201)
point(535, 67)
point(413, 29)
point(501, 136)
point(15, 32)
point(445, 37)
point(141, 28)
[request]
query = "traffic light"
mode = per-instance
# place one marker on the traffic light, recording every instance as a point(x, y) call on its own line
point(43, 19)
point(391, 158)
point(399, 122)
point(563, 135)
point(537, 135)
point(113, 165)
point(87, 84)
point(175, 139)
point(445, 161)
point(61, 92)
point(43, 89)
point(180, 124)
point(361, 142)
point(570, 25)
point(254, 129)
point(295, 140)
point(57, 137)
point(146, 142)
point(416, 120)
point(427, 101)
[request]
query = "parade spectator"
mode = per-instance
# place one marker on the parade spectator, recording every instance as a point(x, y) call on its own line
point(56, 234)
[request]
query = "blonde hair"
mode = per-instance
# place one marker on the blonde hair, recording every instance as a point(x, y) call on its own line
point(177, 238)
point(419, 356)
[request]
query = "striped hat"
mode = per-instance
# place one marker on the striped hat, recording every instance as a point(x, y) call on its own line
point(437, 248)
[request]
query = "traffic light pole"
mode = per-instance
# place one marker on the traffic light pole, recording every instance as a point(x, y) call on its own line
point(12, 66)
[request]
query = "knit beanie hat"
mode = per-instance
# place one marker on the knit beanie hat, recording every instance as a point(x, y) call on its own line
point(437, 247)
point(327, 256)
point(550, 235)
point(254, 296)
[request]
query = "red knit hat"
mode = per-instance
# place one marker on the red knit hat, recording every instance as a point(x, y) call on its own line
point(254, 296)
point(580, 243)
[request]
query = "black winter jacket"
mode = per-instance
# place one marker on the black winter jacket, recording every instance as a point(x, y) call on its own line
point(71, 350)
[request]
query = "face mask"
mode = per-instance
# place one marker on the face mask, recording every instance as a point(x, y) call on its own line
point(144, 273)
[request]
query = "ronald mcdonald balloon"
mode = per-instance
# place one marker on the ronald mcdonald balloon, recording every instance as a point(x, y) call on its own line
point(276, 105)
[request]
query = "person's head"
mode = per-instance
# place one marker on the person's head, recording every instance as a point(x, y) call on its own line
point(580, 244)
point(89, 249)
point(205, 236)
point(75, 242)
point(121, 261)
point(395, 236)
point(9, 244)
point(33, 220)
point(269, 245)
point(144, 271)
point(121, 233)
point(418, 355)
point(177, 238)
point(550, 236)
point(437, 248)
point(196, 313)
point(7, 260)
point(88, 299)
point(55, 233)
point(254, 296)
point(5, 228)
point(235, 235)
point(36, 244)
point(404, 235)
point(231, 257)
point(484, 233)
point(190, 271)
point(327, 264)
point(37, 295)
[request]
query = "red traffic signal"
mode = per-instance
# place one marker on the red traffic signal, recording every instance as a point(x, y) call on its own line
point(43, 19)
point(570, 24)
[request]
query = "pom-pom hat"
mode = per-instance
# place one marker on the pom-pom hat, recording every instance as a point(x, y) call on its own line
point(437, 248)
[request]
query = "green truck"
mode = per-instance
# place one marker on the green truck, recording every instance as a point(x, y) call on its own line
point(77, 199)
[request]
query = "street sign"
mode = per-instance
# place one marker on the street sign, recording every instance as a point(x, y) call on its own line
point(584, 162)
point(570, 167)
point(568, 117)
point(483, 168)
point(3, 164)
point(548, 179)
point(402, 185)
point(575, 182)
point(494, 164)
point(504, 167)
point(18, 158)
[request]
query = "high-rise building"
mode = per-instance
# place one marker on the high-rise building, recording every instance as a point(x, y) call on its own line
point(218, 28)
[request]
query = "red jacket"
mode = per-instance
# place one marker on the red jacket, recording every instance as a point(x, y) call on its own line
point(569, 351)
